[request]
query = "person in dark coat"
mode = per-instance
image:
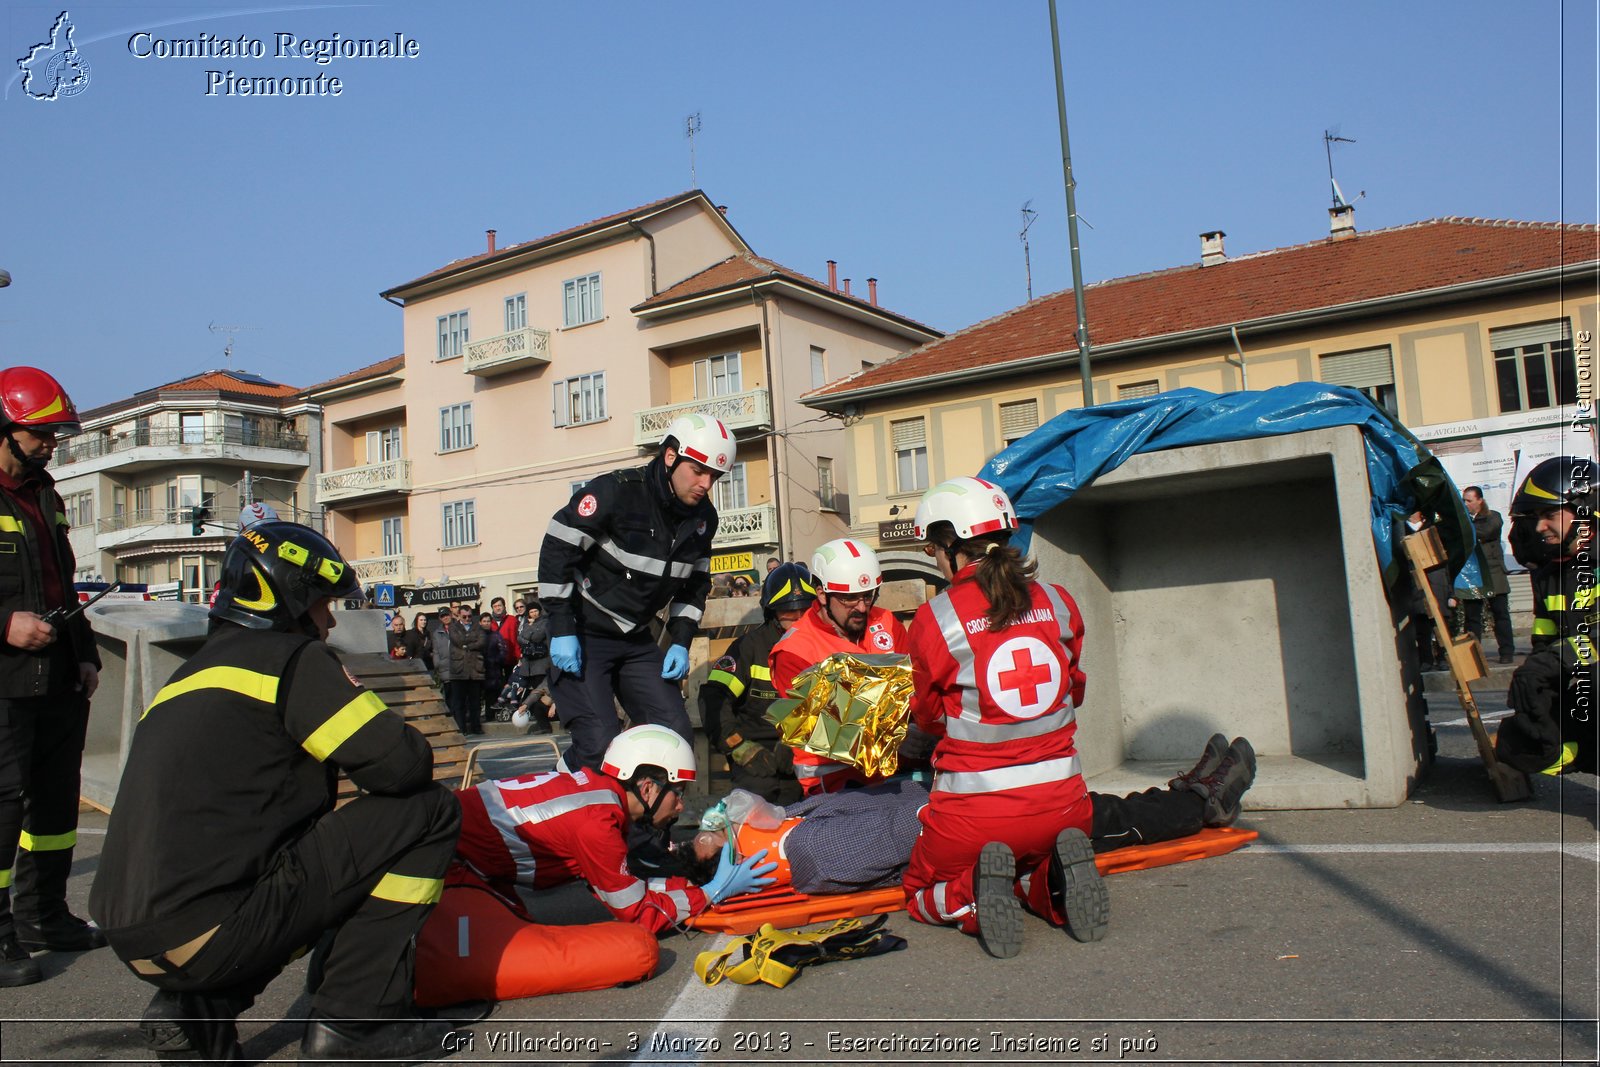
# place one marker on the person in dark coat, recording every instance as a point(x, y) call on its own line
point(1492, 562)
point(463, 693)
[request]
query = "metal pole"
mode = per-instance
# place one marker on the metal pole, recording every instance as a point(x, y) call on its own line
point(1072, 217)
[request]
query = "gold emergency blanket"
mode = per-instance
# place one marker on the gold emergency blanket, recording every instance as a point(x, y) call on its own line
point(852, 708)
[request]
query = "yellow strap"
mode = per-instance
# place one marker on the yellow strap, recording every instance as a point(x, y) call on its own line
point(5, 879)
point(47, 842)
point(342, 723)
point(1544, 627)
point(735, 686)
point(252, 684)
point(759, 671)
point(1556, 602)
point(10, 524)
point(1569, 752)
point(405, 889)
point(755, 962)
point(1584, 648)
point(1585, 598)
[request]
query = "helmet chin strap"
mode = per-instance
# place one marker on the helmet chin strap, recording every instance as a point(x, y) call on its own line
point(650, 809)
point(37, 463)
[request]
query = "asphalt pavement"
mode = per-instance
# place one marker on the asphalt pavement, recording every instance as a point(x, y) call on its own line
point(1451, 929)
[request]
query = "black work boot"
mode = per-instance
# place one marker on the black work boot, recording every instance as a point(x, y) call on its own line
point(1224, 787)
point(191, 1026)
point(60, 932)
point(17, 967)
point(994, 881)
point(1077, 888)
point(1216, 748)
point(404, 1040)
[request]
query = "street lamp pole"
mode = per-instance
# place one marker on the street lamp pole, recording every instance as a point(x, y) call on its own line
point(1072, 217)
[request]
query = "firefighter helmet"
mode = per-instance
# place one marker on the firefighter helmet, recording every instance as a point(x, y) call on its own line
point(787, 587)
point(703, 439)
point(972, 506)
point(33, 399)
point(273, 573)
point(1559, 480)
point(649, 746)
point(846, 566)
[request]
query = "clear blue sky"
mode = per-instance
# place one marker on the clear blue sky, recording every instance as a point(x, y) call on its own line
point(900, 138)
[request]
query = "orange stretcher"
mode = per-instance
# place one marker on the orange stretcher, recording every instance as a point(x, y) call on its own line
point(783, 907)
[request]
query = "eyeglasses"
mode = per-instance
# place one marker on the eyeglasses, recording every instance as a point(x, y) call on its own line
point(848, 599)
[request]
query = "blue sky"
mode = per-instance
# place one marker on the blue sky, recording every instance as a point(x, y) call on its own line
point(900, 138)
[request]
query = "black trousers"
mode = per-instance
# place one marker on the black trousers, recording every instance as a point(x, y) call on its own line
point(1500, 608)
point(41, 755)
point(464, 699)
point(1144, 818)
point(625, 670)
point(361, 880)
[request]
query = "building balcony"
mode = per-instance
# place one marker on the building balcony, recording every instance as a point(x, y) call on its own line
point(749, 410)
point(393, 569)
point(746, 526)
point(136, 449)
point(517, 350)
point(374, 479)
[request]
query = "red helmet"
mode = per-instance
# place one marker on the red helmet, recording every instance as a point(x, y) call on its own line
point(31, 398)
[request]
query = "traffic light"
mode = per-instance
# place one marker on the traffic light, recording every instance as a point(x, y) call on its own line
point(197, 520)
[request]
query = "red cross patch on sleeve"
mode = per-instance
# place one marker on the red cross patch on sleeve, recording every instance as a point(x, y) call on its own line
point(588, 505)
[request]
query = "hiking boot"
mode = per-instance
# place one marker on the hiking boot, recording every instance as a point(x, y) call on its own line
point(17, 967)
point(62, 932)
point(994, 881)
point(191, 1026)
point(1225, 786)
point(1076, 886)
point(404, 1040)
point(1216, 748)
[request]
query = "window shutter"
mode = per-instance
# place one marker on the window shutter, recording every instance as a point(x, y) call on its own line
point(1535, 333)
point(908, 433)
point(1135, 390)
point(1018, 419)
point(1360, 370)
point(561, 403)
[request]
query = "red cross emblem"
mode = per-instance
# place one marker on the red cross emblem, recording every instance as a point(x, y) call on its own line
point(1024, 677)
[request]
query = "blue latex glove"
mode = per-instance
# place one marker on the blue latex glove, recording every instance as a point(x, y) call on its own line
point(676, 663)
point(732, 878)
point(566, 654)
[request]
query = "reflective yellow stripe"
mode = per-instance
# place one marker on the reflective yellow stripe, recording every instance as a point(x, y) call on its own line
point(1569, 752)
point(8, 524)
point(735, 686)
point(1585, 598)
point(256, 686)
point(342, 723)
point(757, 671)
point(1556, 602)
point(404, 889)
point(1584, 649)
point(47, 842)
point(5, 879)
point(61, 520)
point(1544, 627)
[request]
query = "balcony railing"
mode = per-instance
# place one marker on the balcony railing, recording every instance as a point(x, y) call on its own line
point(390, 476)
point(749, 410)
point(129, 520)
point(516, 350)
point(396, 569)
point(746, 526)
point(93, 445)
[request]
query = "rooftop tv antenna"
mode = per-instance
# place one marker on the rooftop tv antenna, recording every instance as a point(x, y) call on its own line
point(691, 126)
point(1028, 215)
point(232, 332)
point(1328, 139)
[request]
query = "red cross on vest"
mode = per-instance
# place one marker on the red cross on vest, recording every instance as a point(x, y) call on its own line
point(1024, 678)
point(1026, 675)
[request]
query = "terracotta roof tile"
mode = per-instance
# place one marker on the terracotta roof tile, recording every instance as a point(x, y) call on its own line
point(223, 381)
point(371, 370)
point(1403, 259)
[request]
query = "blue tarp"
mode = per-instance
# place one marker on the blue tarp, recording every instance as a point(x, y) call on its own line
point(1044, 469)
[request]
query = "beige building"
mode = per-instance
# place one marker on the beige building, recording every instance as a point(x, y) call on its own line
point(531, 368)
point(1478, 335)
point(216, 441)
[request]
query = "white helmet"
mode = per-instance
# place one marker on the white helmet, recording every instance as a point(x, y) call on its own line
point(846, 566)
point(973, 506)
point(703, 439)
point(654, 746)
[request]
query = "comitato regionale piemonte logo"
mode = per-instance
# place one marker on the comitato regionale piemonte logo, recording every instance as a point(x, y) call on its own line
point(54, 69)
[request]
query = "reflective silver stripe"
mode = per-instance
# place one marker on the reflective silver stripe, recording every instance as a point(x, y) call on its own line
point(1026, 882)
point(562, 532)
point(1059, 606)
point(623, 624)
point(960, 649)
point(505, 825)
point(656, 885)
point(684, 611)
point(622, 898)
point(680, 903)
point(647, 564)
point(1018, 777)
point(938, 902)
point(551, 591)
point(991, 732)
point(703, 564)
point(812, 770)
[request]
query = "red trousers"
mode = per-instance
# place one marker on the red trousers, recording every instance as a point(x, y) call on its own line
point(955, 828)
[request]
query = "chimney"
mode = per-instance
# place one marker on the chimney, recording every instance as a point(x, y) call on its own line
point(833, 274)
point(872, 291)
point(1342, 221)
point(1211, 248)
point(847, 287)
point(490, 234)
